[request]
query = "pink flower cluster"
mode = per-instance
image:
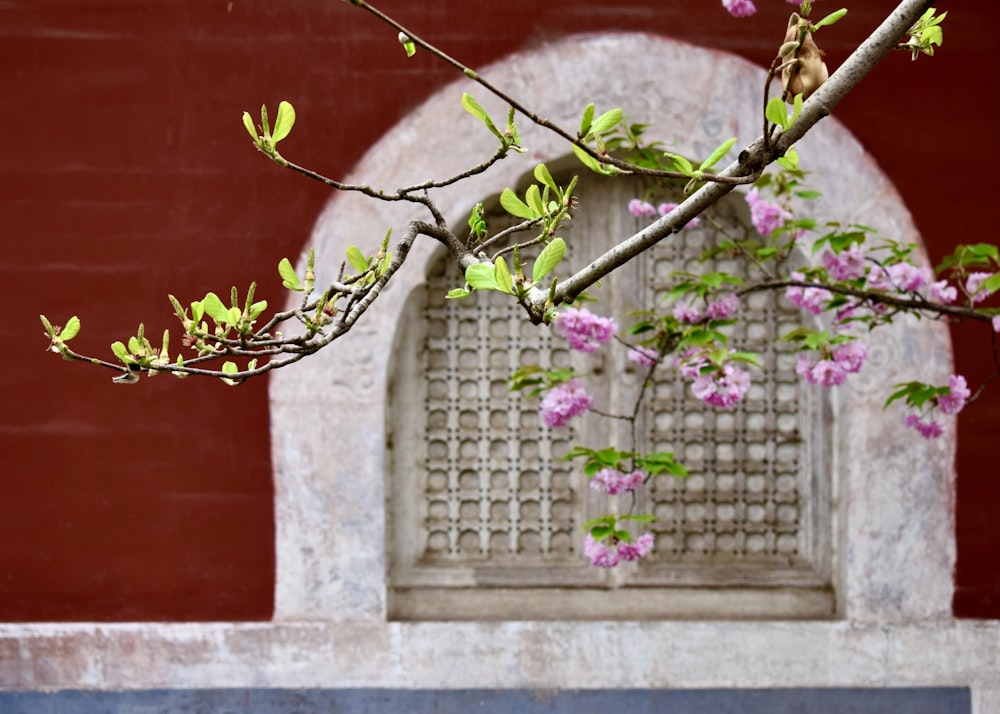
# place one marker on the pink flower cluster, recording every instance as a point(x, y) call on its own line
point(950, 403)
point(608, 556)
point(565, 401)
point(899, 276)
point(764, 215)
point(644, 209)
point(643, 356)
point(811, 299)
point(846, 358)
point(739, 8)
point(845, 265)
point(584, 330)
point(612, 481)
point(718, 309)
point(973, 284)
point(722, 388)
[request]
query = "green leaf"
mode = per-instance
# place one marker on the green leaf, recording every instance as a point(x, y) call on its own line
point(121, 352)
point(70, 331)
point(587, 121)
point(215, 309)
point(457, 293)
point(775, 112)
point(544, 177)
point(288, 276)
point(790, 161)
point(831, 18)
point(284, 122)
point(230, 368)
point(48, 326)
point(548, 259)
point(680, 163)
point(514, 205)
point(533, 197)
point(502, 275)
point(251, 129)
point(472, 106)
point(607, 121)
point(717, 155)
point(357, 259)
point(590, 162)
point(481, 276)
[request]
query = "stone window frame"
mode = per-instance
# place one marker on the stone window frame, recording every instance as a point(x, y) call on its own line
point(329, 412)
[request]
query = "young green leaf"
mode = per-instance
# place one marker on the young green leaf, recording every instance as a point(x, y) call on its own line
point(288, 276)
point(283, 123)
point(514, 205)
point(502, 275)
point(831, 18)
point(408, 45)
point(357, 259)
point(215, 309)
point(776, 113)
point(481, 276)
point(472, 106)
point(251, 129)
point(606, 122)
point(533, 197)
point(548, 259)
point(590, 162)
point(121, 352)
point(587, 121)
point(680, 163)
point(717, 155)
point(457, 294)
point(71, 329)
point(543, 176)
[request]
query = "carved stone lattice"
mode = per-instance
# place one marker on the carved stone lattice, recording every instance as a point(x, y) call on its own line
point(484, 501)
point(742, 504)
point(496, 485)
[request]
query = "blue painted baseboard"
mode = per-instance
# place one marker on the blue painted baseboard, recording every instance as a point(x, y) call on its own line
point(489, 701)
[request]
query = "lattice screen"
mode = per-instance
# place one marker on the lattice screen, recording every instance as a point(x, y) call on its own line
point(495, 504)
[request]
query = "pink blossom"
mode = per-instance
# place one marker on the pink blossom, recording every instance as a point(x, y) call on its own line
point(943, 293)
point(643, 356)
point(565, 401)
point(612, 481)
point(600, 554)
point(608, 556)
point(666, 208)
point(686, 313)
point(584, 330)
point(972, 284)
point(641, 209)
point(764, 215)
point(723, 307)
point(996, 323)
point(909, 277)
point(722, 388)
point(846, 265)
point(811, 299)
point(634, 551)
point(826, 372)
point(739, 8)
point(850, 355)
point(958, 392)
point(929, 428)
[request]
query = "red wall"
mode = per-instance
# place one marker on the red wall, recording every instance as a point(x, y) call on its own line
point(126, 174)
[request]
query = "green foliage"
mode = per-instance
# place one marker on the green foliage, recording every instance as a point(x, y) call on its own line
point(926, 34)
point(408, 45)
point(266, 140)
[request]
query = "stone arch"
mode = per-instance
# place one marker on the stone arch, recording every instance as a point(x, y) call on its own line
point(329, 412)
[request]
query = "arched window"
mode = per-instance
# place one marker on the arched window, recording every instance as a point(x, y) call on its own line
point(485, 512)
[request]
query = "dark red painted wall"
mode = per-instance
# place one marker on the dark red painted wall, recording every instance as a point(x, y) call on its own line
point(126, 174)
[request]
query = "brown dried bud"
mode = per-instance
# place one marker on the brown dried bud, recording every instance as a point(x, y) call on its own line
point(804, 70)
